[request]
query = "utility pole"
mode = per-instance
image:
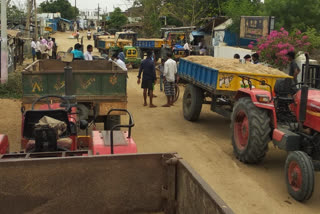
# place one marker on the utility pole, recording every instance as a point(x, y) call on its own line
point(4, 42)
point(98, 23)
point(29, 8)
point(36, 18)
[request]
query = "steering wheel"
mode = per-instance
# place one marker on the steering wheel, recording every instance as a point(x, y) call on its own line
point(52, 96)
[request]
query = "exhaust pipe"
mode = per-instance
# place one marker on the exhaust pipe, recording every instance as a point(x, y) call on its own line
point(303, 104)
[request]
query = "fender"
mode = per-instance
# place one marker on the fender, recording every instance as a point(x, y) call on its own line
point(4, 144)
point(246, 92)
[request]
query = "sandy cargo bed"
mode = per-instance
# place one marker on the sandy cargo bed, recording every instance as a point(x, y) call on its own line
point(234, 65)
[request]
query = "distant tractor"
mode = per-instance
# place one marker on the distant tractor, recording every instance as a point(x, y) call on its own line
point(132, 56)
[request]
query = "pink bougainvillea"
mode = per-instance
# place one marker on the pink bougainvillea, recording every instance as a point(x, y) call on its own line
point(273, 48)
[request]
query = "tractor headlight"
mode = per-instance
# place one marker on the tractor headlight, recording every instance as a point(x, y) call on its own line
point(263, 98)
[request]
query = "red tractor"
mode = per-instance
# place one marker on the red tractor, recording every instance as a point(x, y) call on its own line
point(53, 129)
point(291, 119)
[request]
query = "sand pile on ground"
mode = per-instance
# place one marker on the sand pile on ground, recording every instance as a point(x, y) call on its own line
point(233, 65)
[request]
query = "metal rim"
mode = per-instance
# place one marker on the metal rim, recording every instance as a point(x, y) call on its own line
point(241, 130)
point(295, 176)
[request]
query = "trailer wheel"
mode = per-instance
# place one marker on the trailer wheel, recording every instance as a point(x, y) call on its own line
point(192, 102)
point(299, 175)
point(250, 131)
point(110, 121)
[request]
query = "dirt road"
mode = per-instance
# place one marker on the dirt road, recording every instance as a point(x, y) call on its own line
point(258, 189)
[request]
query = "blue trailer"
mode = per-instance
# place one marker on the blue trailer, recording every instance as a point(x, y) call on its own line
point(218, 88)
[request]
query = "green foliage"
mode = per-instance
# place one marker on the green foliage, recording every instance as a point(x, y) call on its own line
point(296, 14)
point(191, 12)
point(63, 6)
point(314, 37)
point(13, 88)
point(151, 17)
point(117, 19)
point(237, 8)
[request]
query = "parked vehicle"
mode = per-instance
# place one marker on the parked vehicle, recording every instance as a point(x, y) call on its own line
point(290, 118)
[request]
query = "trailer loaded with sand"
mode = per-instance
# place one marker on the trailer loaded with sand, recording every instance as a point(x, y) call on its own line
point(216, 81)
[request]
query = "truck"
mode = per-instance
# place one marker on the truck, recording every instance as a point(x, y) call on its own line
point(98, 86)
point(262, 108)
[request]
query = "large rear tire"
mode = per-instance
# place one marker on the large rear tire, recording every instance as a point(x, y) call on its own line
point(110, 121)
point(299, 175)
point(250, 131)
point(192, 102)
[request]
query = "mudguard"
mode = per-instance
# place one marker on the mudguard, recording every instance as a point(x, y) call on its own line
point(4, 144)
point(252, 93)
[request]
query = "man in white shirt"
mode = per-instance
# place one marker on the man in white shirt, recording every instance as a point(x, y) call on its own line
point(87, 55)
point(170, 70)
point(33, 48)
point(119, 62)
point(186, 47)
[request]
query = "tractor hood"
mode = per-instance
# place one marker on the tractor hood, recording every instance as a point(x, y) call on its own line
point(313, 105)
point(313, 109)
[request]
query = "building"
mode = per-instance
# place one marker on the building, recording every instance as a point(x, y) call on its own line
point(89, 19)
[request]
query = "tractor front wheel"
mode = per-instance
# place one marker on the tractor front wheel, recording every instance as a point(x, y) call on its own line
point(250, 131)
point(299, 175)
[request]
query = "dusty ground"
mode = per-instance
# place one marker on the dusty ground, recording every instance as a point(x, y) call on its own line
point(205, 145)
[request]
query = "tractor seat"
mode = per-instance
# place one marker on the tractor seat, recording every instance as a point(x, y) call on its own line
point(32, 117)
point(64, 143)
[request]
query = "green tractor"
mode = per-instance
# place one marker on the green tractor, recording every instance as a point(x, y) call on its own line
point(132, 56)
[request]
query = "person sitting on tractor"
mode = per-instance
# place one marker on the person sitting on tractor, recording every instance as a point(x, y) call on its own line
point(77, 53)
point(88, 55)
point(116, 59)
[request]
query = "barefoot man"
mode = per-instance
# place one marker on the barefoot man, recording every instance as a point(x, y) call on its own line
point(148, 79)
point(170, 70)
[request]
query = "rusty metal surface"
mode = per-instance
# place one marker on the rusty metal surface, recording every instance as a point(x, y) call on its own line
point(137, 183)
point(194, 195)
point(99, 184)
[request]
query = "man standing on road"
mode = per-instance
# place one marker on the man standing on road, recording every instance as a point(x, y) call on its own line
point(170, 70)
point(87, 55)
point(33, 48)
point(148, 79)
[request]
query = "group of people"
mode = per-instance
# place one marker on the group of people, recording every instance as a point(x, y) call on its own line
point(43, 48)
point(254, 58)
point(294, 69)
point(79, 55)
point(168, 69)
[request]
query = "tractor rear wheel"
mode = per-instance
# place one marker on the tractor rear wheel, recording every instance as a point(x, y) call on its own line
point(299, 175)
point(250, 131)
point(111, 121)
point(192, 102)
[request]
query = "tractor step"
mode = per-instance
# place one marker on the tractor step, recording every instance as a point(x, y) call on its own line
point(285, 139)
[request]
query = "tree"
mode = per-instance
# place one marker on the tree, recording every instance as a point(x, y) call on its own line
point(151, 16)
point(234, 9)
point(191, 12)
point(63, 6)
point(117, 19)
point(294, 14)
